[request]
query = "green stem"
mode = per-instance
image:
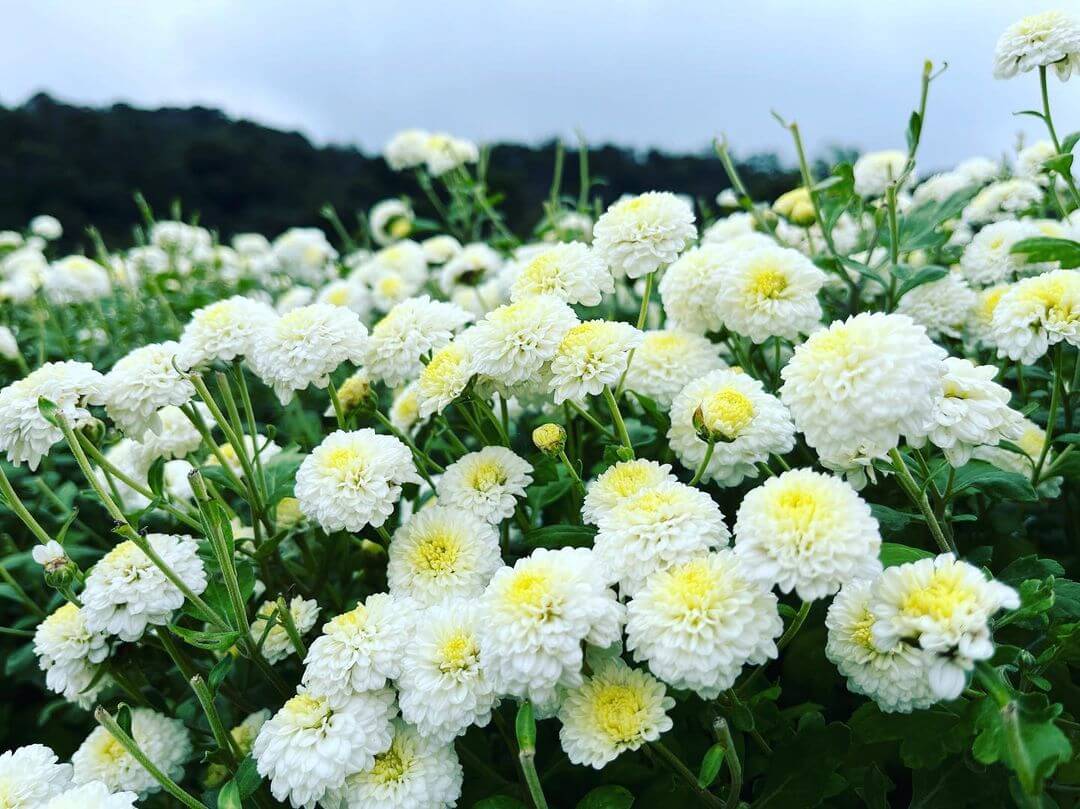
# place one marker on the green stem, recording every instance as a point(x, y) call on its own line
point(12, 501)
point(222, 737)
point(1051, 416)
point(290, 628)
point(532, 779)
point(339, 413)
point(794, 627)
point(620, 425)
point(21, 593)
point(589, 417)
point(704, 462)
point(1049, 121)
point(731, 757)
point(643, 314)
point(680, 769)
point(917, 497)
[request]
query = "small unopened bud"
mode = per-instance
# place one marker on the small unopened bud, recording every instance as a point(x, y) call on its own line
point(549, 438)
point(356, 395)
point(59, 569)
point(796, 206)
point(700, 427)
point(288, 512)
point(94, 429)
point(198, 485)
point(401, 227)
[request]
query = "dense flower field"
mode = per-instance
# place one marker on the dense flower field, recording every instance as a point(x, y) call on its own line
point(669, 503)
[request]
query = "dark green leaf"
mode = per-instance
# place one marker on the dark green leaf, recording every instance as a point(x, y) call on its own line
point(987, 479)
point(1044, 248)
point(1022, 735)
point(247, 777)
point(893, 554)
point(607, 797)
point(560, 536)
point(800, 769)
point(925, 737)
point(211, 641)
point(923, 276)
point(499, 802)
point(711, 763)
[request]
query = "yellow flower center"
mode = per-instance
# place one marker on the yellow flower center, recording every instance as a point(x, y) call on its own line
point(437, 553)
point(457, 652)
point(353, 391)
point(693, 587)
point(1031, 441)
point(529, 589)
point(339, 296)
point(940, 599)
point(400, 227)
point(542, 275)
point(390, 766)
point(767, 282)
point(626, 479)
point(862, 631)
point(389, 285)
point(727, 412)
point(486, 475)
point(617, 712)
point(307, 711)
point(666, 342)
point(652, 502)
point(797, 507)
point(296, 325)
point(342, 460)
point(126, 554)
point(112, 751)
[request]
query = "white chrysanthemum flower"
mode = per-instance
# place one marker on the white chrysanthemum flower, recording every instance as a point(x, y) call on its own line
point(943, 605)
point(986, 259)
point(175, 478)
point(1031, 159)
point(314, 742)
point(348, 293)
point(76, 279)
point(276, 643)
point(125, 591)
point(94, 795)
point(747, 424)
point(440, 249)
point(770, 292)
point(305, 254)
point(31, 775)
point(572, 272)
point(223, 331)
point(444, 153)
point(445, 376)
point(979, 169)
point(898, 679)
point(442, 688)
point(636, 235)
point(941, 307)
point(486, 483)
point(353, 479)
point(668, 360)
point(981, 317)
point(141, 383)
point(179, 237)
point(732, 226)
point(390, 220)
point(479, 299)
point(358, 650)
point(176, 435)
point(619, 483)
point(660, 526)
point(405, 409)
point(47, 227)
point(441, 553)
point(68, 652)
point(405, 150)
point(590, 357)
point(690, 286)
point(697, 624)
point(939, 187)
point(294, 298)
point(512, 343)
point(259, 445)
point(410, 331)
point(1002, 200)
point(855, 387)
point(305, 346)
point(534, 618)
point(616, 709)
point(876, 171)
point(1049, 39)
point(403, 261)
point(470, 267)
point(973, 411)
point(807, 532)
point(1036, 313)
point(165, 742)
point(415, 773)
point(25, 434)
point(1031, 441)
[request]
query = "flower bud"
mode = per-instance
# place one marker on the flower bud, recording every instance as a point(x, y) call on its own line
point(288, 512)
point(549, 438)
point(796, 206)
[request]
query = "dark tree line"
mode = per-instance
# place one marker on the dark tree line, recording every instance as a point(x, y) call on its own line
point(83, 164)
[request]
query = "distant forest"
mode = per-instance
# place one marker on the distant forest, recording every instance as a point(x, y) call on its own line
point(83, 165)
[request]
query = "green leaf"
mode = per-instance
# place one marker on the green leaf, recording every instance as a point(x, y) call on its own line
point(247, 777)
point(280, 474)
point(987, 479)
point(1029, 567)
point(926, 738)
point(229, 797)
point(875, 788)
point(123, 717)
point(525, 726)
point(611, 796)
point(711, 763)
point(211, 641)
point(48, 409)
point(499, 802)
point(893, 554)
point(1062, 164)
point(560, 536)
point(800, 770)
point(924, 276)
point(1022, 735)
point(1044, 248)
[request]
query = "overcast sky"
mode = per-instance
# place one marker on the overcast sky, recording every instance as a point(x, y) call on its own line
point(642, 73)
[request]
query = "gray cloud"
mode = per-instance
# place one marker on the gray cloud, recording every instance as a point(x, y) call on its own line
point(636, 72)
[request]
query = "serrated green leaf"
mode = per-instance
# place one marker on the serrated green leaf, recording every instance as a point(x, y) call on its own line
point(1022, 735)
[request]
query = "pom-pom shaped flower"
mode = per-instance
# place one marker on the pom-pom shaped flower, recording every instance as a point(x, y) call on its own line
point(140, 384)
point(442, 688)
point(222, 331)
point(698, 623)
point(807, 532)
point(668, 360)
point(445, 376)
point(662, 525)
point(358, 650)
point(619, 483)
point(616, 709)
point(31, 775)
point(591, 356)
point(440, 553)
point(68, 653)
point(942, 307)
point(411, 330)
point(314, 742)
point(94, 794)
point(75, 279)
point(636, 235)
point(125, 592)
point(353, 479)
point(414, 772)
point(534, 618)
point(876, 171)
point(1037, 313)
point(512, 343)
point(743, 423)
point(269, 627)
point(164, 740)
point(573, 273)
point(943, 605)
point(486, 483)
point(690, 286)
point(987, 258)
point(770, 292)
point(856, 386)
point(304, 346)
point(1049, 39)
point(898, 679)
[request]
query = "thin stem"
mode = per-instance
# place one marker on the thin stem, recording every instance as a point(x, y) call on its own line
point(222, 737)
point(1051, 416)
point(106, 720)
point(290, 628)
point(909, 485)
point(794, 627)
point(731, 757)
point(704, 462)
point(589, 417)
point(620, 425)
point(680, 769)
point(527, 757)
point(12, 501)
point(339, 413)
point(21, 593)
point(1049, 121)
point(643, 314)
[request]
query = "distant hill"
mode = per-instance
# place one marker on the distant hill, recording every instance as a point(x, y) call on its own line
point(83, 164)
